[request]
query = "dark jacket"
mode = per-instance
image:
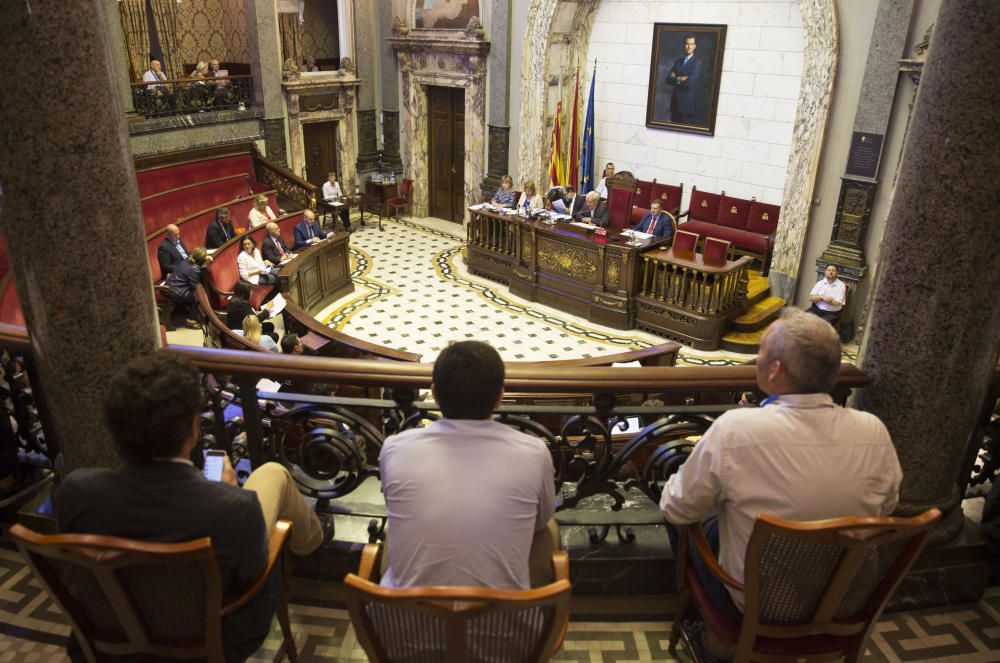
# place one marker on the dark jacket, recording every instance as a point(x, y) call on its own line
point(215, 236)
point(302, 233)
point(183, 279)
point(663, 227)
point(173, 502)
point(269, 250)
point(239, 309)
point(168, 255)
point(599, 217)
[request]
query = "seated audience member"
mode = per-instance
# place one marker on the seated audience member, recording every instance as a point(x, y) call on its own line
point(213, 68)
point(252, 267)
point(530, 200)
point(153, 409)
point(574, 203)
point(200, 72)
point(800, 456)
point(310, 64)
point(184, 278)
point(504, 196)
point(252, 331)
point(332, 193)
point(273, 247)
point(828, 295)
point(656, 223)
point(239, 308)
point(220, 230)
point(307, 231)
point(491, 486)
point(594, 211)
point(291, 344)
point(171, 251)
point(261, 212)
point(602, 186)
point(155, 75)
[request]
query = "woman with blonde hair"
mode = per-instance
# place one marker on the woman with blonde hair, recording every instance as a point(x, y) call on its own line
point(504, 197)
point(530, 200)
point(253, 332)
point(261, 212)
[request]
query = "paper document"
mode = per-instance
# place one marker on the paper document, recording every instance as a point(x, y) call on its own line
point(268, 385)
point(559, 206)
point(626, 364)
point(477, 207)
point(277, 305)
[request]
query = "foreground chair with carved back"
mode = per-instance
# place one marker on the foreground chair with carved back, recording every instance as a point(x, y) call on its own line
point(812, 590)
point(457, 624)
point(124, 596)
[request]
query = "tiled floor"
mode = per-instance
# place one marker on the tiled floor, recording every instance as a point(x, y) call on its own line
point(33, 629)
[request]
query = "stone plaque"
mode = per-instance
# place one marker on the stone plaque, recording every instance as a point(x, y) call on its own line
point(866, 149)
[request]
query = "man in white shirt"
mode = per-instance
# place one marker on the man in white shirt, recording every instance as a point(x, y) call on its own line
point(467, 495)
point(828, 295)
point(332, 196)
point(799, 456)
point(154, 75)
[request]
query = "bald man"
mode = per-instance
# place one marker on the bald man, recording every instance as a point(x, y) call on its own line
point(273, 247)
point(171, 251)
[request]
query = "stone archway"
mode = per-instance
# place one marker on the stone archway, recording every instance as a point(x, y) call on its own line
point(819, 21)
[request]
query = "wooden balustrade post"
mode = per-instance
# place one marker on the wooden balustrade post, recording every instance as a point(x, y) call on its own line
point(70, 215)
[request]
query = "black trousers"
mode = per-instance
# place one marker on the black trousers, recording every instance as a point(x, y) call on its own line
point(829, 316)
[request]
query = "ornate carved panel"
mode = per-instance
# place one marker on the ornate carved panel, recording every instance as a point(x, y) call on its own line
point(274, 139)
point(568, 260)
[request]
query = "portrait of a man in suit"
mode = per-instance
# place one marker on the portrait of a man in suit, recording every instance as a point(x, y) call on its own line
point(685, 70)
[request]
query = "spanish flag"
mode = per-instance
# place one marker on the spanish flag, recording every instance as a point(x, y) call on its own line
point(573, 149)
point(557, 174)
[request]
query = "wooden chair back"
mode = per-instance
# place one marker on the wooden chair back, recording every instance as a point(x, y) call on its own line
point(704, 206)
point(715, 252)
point(685, 243)
point(458, 624)
point(129, 597)
point(621, 193)
point(669, 196)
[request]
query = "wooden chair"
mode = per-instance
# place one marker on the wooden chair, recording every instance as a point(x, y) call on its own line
point(404, 200)
point(448, 624)
point(813, 590)
point(685, 243)
point(124, 596)
point(621, 192)
point(715, 251)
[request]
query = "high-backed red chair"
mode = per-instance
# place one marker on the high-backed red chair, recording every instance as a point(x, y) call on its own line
point(621, 192)
point(643, 193)
point(812, 590)
point(669, 196)
point(733, 212)
point(637, 215)
point(715, 251)
point(685, 243)
point(404, 200)
point(703, 206)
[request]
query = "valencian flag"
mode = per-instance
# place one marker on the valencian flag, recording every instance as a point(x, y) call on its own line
point(587, 152)
point(557, 174)
point(573, 149)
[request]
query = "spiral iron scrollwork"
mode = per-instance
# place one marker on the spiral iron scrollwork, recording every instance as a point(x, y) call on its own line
point(529, 427)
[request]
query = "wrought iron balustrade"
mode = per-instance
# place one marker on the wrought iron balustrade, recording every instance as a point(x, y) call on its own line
point(171, 97)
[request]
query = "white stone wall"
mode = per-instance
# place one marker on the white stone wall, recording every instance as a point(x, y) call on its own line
point(761, 72)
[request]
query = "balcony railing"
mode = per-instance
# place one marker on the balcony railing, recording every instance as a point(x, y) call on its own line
point(172, 97)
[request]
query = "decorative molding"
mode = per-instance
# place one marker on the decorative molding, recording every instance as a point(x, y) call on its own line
point(323, 97)
point(274, 140)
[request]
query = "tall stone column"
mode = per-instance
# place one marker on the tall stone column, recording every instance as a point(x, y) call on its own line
point(931, 338)
point(498, 111)
point(265, 62)
point(70, 214)
point(365, 60)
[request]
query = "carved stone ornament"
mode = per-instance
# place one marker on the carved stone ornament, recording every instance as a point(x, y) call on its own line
point(474, 30)
point(290, 70)
point(347, 66)
point(399, 26)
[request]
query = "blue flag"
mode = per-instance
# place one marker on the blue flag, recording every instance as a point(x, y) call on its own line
point(587, 151)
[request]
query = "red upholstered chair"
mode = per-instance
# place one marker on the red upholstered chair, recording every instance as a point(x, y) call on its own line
point(637, 215)
point(733, 212)
point(124, 596)
point(715, 252)
point(685, 242)
point(704, 206)
point(812, 590)
point(621, 193)
point(763, 218)
point(670, 195)
point(643, 192)
point(404, 200)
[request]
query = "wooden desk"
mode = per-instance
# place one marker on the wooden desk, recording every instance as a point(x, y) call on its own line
point(319, 274)
point(378, 194)
point(606, 281)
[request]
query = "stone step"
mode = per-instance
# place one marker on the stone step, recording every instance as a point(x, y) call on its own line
point(757, 288)
point(745, 342)
point(758, 316)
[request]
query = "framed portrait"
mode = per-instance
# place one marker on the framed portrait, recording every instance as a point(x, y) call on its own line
point(684, 73)
point(444, 14)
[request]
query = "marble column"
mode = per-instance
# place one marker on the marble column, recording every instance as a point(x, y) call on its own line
point(265, 62)
point(70, 215)
point(119, 53)
point(931, 339)
point(498, 109)
point(365, 30)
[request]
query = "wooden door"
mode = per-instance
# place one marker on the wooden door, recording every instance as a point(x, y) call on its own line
point(320, 139)
point(446, 152)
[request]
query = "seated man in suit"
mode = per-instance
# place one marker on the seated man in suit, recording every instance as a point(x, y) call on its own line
point(273, 247)
point(307, 231)
point(153, 410)
point(171, 251)
point(491, 485)
point(657, 222)
point(220, 230)
point(594, 211)
point(574, 203)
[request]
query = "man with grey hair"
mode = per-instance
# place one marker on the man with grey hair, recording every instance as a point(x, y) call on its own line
point(799, 456)
point(594, 211)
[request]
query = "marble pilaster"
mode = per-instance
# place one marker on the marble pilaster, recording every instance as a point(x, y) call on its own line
point(532, 144)
point(447, 59)
point(70, 215)
point(119, 53)
point(930, 341)
point(265, 63)
point(365, 29)
point(498, 110)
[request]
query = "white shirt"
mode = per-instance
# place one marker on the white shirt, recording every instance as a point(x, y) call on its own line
point(465, 498)
point(802, 457)
point(602, 187)
point(245, 262)
point(331, 191)
point(257, 219)
point(151, 76)
point(837, 290)
point(535, 202)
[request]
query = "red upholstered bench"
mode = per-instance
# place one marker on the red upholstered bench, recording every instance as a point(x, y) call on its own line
point(162, 178)
point(669, 195)
point(747, 224)
point(10, 305)
point(168, 206)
